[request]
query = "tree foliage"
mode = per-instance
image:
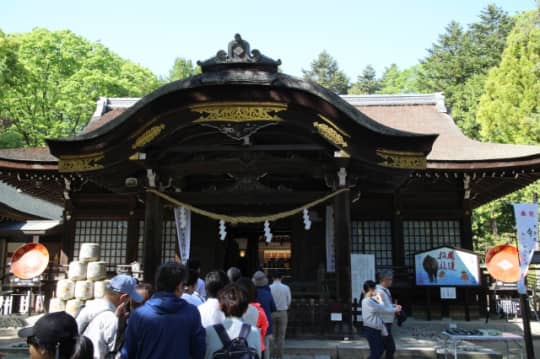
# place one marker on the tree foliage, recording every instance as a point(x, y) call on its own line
point(458, 62)
point(394, 80)
point(181, 69)
point(509, 112)
point(367, 82)
point(325, 71)
point(54, 80)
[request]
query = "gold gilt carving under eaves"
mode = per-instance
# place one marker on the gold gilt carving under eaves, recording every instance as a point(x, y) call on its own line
point(402, 159)
point(147, 136)
point(330, 134)
point(238, 112)
point(81, 163)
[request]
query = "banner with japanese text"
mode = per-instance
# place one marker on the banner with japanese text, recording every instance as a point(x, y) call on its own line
point(182, 218)
point(527, 234)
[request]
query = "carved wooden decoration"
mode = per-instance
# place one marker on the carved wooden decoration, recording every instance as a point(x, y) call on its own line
point(81, 163)
point(330, 134)
point(238, 112)
point(147, 136)
point(401, 159)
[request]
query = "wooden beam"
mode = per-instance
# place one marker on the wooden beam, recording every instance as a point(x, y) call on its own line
point(254, 148)
point(243, 198)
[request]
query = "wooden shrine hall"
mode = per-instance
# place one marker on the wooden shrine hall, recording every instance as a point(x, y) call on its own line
point(389, 175)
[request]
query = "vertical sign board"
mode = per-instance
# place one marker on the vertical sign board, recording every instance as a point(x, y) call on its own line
point(330, 250)
point(447, 266)
point(362, 269)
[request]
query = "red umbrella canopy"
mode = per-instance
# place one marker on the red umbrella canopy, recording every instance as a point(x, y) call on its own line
point(502, 263)
point(29, 260)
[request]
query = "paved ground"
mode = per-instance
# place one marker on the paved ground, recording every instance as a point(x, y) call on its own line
point(415, 339)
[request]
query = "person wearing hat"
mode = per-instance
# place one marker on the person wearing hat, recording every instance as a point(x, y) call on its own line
point(99, 320)
point(55, 336)
point(264, 296)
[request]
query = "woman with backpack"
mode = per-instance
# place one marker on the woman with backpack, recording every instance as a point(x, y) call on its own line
point(233, 338)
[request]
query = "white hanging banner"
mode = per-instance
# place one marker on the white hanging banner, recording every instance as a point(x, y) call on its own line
point(362, 269)
point(527, 233)
point(330, 251)
point(182, 218)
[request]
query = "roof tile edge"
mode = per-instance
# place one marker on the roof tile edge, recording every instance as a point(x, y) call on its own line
point(436, 99)
point(105, 104)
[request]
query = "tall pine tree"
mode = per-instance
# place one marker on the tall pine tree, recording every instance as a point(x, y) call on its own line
point(366, 83)
point(325, 71)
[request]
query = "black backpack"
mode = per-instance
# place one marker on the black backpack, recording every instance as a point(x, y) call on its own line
point(237, 348)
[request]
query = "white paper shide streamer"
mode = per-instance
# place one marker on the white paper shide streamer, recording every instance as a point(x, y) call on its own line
point(182, 219)
point(307, 220)
point(267, 232)
point(222, 230)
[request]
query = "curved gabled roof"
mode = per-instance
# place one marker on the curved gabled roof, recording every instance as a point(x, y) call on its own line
point(238, 77)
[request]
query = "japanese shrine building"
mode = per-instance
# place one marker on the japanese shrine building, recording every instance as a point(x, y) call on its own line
point(244, 140)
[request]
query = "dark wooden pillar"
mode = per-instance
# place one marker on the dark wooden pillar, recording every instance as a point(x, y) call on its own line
point(466, 226)
point(153, 228)
point(398, 247)
point(342, 231)
point(68, 237)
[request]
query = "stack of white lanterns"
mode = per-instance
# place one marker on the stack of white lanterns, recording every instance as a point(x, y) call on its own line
point(85, 281)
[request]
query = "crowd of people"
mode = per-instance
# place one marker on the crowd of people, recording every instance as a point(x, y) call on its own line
point(225, 315)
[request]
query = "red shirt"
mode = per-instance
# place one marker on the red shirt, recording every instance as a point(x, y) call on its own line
point(262, 322)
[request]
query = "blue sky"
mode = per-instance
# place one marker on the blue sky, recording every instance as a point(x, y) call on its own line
point(356, 33)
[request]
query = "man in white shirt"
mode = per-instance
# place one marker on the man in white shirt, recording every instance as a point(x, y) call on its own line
point(99, 320)
point(282, 297)
point(383, 292)
point(210, 310)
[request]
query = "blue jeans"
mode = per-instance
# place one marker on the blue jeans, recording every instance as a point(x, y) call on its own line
point(375, 341)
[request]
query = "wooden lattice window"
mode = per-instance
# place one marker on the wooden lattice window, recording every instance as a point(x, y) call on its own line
point(168, 242)
point(420, 236)
point(373, 237)
point(111, 237)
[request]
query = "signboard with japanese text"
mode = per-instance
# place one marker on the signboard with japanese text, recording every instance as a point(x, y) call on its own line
point(527, 233)
point(446, 266)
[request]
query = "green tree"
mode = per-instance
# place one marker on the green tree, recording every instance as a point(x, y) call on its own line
point(458, 62)
point(367, 82)
point(325, 71)
point(509, 112)
point(181, 69)
point(394, 80)
point(61, 77)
